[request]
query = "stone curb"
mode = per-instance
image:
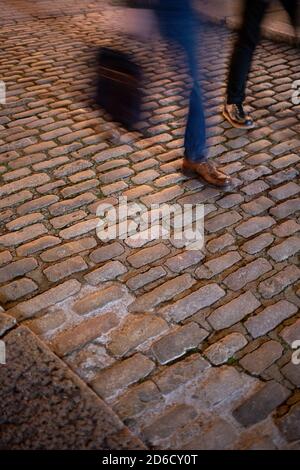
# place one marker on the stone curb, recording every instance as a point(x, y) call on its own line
point(44, 405)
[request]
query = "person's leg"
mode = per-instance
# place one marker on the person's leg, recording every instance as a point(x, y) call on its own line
point(248, 38)
point(196, 152)
point(180, 27)
point(195, 133)
point(293, 10)
point(253, 13)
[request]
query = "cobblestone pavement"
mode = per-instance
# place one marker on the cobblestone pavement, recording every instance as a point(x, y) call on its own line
point(190, 349)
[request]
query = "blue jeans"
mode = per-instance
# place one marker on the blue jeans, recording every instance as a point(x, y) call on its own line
point(178, 24)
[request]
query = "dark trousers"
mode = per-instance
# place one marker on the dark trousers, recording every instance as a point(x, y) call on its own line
point(178, 24)
point(248, 38)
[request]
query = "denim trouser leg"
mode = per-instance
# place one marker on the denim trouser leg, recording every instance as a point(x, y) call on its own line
point(180, 28)
point(195, 133)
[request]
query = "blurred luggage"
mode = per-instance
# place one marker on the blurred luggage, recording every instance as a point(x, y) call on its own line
point(119, 87)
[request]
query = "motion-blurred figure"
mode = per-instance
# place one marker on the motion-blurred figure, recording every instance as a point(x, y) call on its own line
point(248, 38)
point(178, 23)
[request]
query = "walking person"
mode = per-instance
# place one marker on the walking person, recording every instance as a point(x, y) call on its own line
point(254, 12)
point(178, 24)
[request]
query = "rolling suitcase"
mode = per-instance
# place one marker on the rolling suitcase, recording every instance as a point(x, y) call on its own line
point(119, 87)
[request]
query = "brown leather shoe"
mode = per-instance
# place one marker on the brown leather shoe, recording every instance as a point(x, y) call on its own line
point(208, 172)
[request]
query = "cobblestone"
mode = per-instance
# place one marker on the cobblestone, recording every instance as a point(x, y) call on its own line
point(21, 222)
point(79, 188)
point(270, 317)
point(5, 257)
point(184, 260)
point(249, 273)
point(162, 196)
point(58, 271)
point(37, 245)
point(230, 201)
point(291, 372)
point(28, 182)
point(114, 175)
point(197, 300)
point(263, 402)
point(284, 250)
point(37, 204)
point(15, 199)
point(287, 174)
point(254, 173)
point(286, 191)
point(140, 398)
point(285, 161)
point(112, 153)
point(219, 352)
point(222, 221)
point(6, 323)
point(257, 187)
point(263, 357)
point(47, 188)
point(30, 307)
point(169, 423)
point(17, 289)
point(108, 272)
point(291, 333)
point(23, 235)
point(148, 255)
point(122, 374)
point(98, 300)
point(16, 174)
point(17, 268)
point(81, 228)
point(48, 322)
point(67, 341)
point(215, 435)
point(258, 244)
point(136, 330)
point(162, 293)
point(234, 311)
point(177, 343)
point(60, 208)
point(254, 225)
point(68, 249)
point(286, 228)
point(64, 220)
point(289, 423)
point(180, 372)
point(140, 280)
point(277, 283)
point(218, 244)
point(218, 265)
point(285, 209)
point(219, 385)
point(106, 252)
